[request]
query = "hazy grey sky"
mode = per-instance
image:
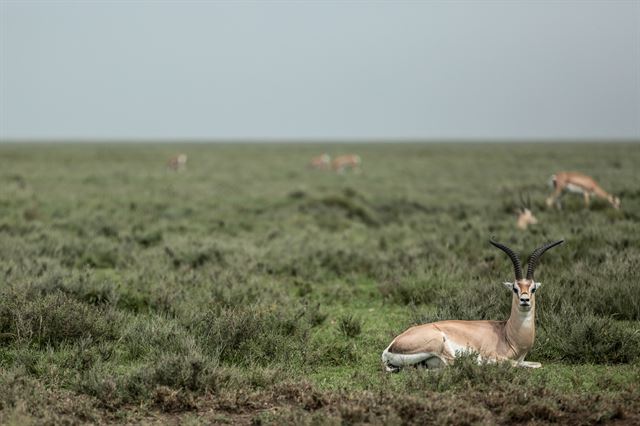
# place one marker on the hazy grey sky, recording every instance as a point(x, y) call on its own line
point(324, 69)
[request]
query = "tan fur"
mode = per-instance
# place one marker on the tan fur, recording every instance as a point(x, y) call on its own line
point(344, 162)
point(525, 218)
point(177, 162)
point(574, 181)
point(321, 162)
point(492, 340)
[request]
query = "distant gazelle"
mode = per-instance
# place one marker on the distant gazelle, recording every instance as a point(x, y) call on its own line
point(177, 162)
point(344, 162)
point(525, 216)
point(321, 162)
point(581, 184)
point(437, 344)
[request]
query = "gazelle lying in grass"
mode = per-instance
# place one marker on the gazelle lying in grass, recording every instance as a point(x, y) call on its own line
point(437, 344)
point(581, 184)
point(525, 216)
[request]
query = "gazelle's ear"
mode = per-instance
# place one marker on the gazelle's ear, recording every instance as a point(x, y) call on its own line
point(508, 285)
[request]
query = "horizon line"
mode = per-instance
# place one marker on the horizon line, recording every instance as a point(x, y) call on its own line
point(289, 140)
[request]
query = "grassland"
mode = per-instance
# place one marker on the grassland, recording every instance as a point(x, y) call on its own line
point(249, 289)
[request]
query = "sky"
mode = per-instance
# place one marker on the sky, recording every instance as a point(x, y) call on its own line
point(319, 70)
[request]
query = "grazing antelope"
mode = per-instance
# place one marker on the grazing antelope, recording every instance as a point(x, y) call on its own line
point(177, 162)
point(437, 344)
point(344, 162)
point(525, 216)
point(581, 184)
point(321, 162)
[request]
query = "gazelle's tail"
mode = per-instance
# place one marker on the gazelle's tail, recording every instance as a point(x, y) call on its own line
point(552, 181)
point(394, 362)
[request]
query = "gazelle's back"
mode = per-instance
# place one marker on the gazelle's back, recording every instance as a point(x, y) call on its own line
point(451, 335)
point(577, 178)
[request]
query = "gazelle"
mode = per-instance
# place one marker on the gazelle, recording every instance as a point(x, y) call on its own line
point(581, 184)
point(321, 162)
point(344, 162)
point(177, 162)
point(525, 216)
point(437, 344)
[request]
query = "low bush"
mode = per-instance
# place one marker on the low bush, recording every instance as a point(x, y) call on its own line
point(571, 336)
point(349, 326)
point(254, 335)
point(55, 319)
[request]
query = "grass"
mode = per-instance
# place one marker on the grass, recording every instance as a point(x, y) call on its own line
point(249, 289)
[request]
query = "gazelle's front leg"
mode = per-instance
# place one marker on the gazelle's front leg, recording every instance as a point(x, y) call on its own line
point(586, 199)
point(554, 198)
point(550, 200)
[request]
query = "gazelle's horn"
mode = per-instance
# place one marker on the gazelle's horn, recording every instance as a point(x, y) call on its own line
point(535, 257)
point(517, 266)
point(525, 203)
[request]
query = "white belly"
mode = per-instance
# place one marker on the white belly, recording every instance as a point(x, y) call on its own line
point(575, 188)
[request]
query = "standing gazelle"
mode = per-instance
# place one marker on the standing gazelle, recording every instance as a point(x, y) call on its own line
point(342, 163)
point(321, 162)
point(177, 162)
point(438, 343)
point(581, 184)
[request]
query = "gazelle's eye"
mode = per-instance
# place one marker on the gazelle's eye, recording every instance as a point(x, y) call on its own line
point(515, 290)
point(533, 290)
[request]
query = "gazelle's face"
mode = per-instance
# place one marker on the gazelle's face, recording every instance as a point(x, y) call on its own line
point(524, 290)
point(525, 217)
point(529, 217)
point(616, 202)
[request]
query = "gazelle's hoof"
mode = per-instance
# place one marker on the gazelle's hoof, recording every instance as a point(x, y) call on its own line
point(391, 368)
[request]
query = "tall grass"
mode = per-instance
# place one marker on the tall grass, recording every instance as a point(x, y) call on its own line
point(248, 276)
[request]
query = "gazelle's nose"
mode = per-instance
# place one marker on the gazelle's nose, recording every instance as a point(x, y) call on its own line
point(524, 299)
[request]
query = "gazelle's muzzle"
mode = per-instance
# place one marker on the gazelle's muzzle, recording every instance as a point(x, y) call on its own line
point(525, 300)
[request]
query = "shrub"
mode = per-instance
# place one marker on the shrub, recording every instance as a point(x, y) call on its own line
point(349, 325)
point(570, 336)
point(55, 319)
point(253, 335)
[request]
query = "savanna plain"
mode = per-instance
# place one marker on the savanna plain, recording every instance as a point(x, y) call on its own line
point(250, 289)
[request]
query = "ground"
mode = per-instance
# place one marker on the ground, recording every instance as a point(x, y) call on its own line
point(248, 288)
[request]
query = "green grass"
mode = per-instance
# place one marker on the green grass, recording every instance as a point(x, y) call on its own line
point(250, 289)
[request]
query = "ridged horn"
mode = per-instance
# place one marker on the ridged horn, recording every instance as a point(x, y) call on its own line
point(517, 266)
point(535, 257)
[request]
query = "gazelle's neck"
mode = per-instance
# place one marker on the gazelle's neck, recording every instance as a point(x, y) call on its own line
point(521, 327)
